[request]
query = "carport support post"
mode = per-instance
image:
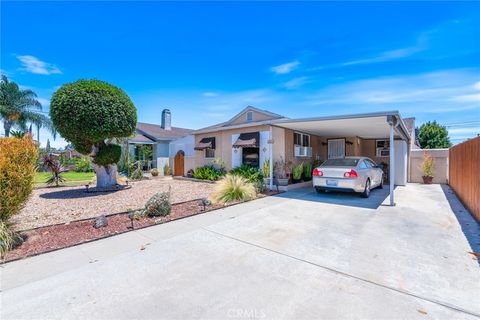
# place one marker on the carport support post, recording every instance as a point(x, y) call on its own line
point(271, 158)
point(392, 162)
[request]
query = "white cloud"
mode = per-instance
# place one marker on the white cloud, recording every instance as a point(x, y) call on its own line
point(295, 83)
point(442, 91)
point(34, 65)
point(286, 67)
point(477, 85)
point(210, 94)
point(468, 132)
point(386, 56)
point(467, 98)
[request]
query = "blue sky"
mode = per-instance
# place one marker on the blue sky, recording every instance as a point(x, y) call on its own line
point(207, 61)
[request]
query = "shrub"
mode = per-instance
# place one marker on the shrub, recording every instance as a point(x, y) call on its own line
point(108, 154)
point(56, 168)
point(158, 205)
point(233, 188)
point(137, 173)
point(17, 134)
point(208, 173)
point(18, 158)
point(154, 172)
point(249, 173)
point(427, 165)
point(83, 164)
point(266, 168)
point(8, 238)
point(166, 170)
point(297, 171)
point(307, 171)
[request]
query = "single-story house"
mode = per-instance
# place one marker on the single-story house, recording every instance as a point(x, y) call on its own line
point(156, 138)
point(254, 136)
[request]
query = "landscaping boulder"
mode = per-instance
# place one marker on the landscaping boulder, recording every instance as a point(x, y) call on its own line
point(100, 222)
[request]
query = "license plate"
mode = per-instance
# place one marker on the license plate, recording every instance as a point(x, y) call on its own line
point(332, 183)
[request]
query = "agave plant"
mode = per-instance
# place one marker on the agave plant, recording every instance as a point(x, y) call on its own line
point(17, 134)
point(56, 168)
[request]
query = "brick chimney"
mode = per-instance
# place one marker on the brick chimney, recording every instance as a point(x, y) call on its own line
point(166, 119)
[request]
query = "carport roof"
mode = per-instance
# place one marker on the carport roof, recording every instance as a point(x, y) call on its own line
point(364, 125)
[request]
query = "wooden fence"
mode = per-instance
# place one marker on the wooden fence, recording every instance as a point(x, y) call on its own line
point(464, 174)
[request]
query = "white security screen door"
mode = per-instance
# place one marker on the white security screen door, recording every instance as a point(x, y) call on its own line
point(336, 148)
point(236, 153)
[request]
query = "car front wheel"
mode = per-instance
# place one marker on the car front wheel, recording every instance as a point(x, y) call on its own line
point(366, 191)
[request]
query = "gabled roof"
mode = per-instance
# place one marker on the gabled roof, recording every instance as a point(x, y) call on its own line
point(155, 132)
point(250, 108)
point(231, 125)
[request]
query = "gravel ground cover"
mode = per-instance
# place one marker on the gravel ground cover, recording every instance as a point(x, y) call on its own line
point(54, 205)
point(48, 238)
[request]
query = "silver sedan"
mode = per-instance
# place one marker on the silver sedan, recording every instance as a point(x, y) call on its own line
point(350, 174)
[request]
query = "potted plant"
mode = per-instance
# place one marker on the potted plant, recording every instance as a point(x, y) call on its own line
point(297, 172)
point(281, 168)
point(154, 172)
point(427, 168)
point(166, 170)
point(266, 172)
point(307, 172)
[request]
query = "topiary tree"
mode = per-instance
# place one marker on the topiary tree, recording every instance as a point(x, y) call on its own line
point(433, 135)
point(91, 115)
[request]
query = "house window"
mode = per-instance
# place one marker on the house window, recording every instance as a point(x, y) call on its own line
point(382, 148)
point(301, 139)
point(209, 153)
point(302, 147)
point(249, 116)
point(336, 148)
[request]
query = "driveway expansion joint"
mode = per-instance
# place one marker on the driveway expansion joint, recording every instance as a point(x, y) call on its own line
point(351, 276)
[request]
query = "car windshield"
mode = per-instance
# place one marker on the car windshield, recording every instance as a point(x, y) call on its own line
point(340, 163)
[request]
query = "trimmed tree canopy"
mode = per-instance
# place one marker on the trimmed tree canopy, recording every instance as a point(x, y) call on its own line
point(433, 135)
point(88, 112)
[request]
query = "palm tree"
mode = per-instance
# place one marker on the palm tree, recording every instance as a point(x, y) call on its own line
point(20, 107)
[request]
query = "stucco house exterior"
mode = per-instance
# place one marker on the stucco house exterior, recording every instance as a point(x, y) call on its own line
point(254, 135)
point(159, 138)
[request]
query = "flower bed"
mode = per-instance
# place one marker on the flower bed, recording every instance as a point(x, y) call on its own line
point(58, 236)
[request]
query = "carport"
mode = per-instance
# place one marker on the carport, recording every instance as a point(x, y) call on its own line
point(379, 125)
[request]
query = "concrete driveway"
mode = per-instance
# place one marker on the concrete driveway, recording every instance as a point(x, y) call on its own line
point(297, 256)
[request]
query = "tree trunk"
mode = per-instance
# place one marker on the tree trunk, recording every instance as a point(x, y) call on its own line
point(7, 126)
point(106, 176)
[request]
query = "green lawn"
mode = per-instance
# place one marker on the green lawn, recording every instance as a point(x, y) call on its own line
point(71, 177)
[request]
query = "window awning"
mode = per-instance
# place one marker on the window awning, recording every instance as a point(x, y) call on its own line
point(248, 140)
point(206, 143)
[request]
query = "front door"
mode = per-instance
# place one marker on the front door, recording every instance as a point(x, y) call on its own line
point(179, 164)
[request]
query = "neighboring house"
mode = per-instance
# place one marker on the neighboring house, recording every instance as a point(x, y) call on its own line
point(158, 138)
point(255, 135)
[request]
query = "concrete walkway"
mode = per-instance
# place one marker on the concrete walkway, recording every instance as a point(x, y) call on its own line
point(297, 256)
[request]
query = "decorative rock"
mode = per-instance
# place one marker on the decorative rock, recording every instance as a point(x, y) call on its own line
point(100, 222)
